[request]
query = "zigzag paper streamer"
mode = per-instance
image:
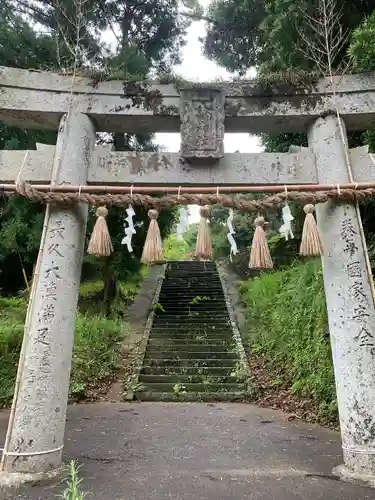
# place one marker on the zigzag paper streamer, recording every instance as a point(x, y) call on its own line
point(130, 229)
point(183, 223)
point(286, 229)
point(232, 241)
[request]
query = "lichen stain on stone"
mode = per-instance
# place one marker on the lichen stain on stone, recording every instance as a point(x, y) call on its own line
point(328, 112)
point(232, 107)
point(164, 110)
point(272, 105)
point(153, 100)
point(362, 425)
point(140, 165)
point(149, 100)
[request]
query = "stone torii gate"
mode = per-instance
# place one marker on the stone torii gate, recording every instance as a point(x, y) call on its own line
point(44, 100)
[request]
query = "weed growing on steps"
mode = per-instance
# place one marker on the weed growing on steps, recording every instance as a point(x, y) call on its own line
point(158, 307)
point(73, 490)
point(288, 326)
point(196, 300)
point(179, 389)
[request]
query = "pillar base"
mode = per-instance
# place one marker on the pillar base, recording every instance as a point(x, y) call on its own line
point(357, 478)
point(18, 479)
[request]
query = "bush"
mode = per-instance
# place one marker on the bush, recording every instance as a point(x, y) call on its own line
point(96, 354)
point(96, 351)
point(288, 326)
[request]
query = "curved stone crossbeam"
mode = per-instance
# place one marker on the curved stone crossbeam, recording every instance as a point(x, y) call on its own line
point(37, 100)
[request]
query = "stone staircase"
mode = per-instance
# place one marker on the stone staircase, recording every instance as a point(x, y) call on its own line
point(192, 353)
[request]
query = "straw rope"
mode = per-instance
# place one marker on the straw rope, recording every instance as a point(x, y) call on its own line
point(237, 203)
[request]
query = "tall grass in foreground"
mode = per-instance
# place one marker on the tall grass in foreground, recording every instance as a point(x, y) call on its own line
point(73, 484)
point(288, 326)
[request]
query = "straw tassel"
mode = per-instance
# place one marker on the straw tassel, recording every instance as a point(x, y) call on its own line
point(260, 257)
point(311, 244)
point(100, 242)
point(153, 249)
point(203, 247)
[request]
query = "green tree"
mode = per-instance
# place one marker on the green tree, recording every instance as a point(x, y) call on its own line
point(20, 220)
point(362, 45)
point(267, 33)
point(175, 249)
point(151, 34)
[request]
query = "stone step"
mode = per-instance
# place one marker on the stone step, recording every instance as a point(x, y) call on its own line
point(172, 321)
point(158, 343)
point(180, 335)
point(191, 275)
point(170, 312)
point(177, 370)
point(192, 271)
point(178, 312)
point(191, 264)
point(213, 287)
point(181, 286)
point(186, 309)
point(194, 343)
point(187, 298)
point(203, 282)
point(194, 339)
point(187, 379)
point(193, 328)
point(186, 347)
point(181, 355)
point(190, 282)
point(202, 291)
point(190, 362)
point(181, 297)
point(178, 264)
point(192, 397)
point(186, 305)
point(192, 321)
point(169, 387)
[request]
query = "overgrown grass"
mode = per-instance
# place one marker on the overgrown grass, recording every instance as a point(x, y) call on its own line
point(91, 294)
point(96, 350)
point(288, 326)
point(96, 354)
point(12, 317)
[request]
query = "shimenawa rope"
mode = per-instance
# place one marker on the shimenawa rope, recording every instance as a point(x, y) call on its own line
point(238, 203)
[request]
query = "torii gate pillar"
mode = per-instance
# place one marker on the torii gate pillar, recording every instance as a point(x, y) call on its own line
point(37, 423)
point(350, 304)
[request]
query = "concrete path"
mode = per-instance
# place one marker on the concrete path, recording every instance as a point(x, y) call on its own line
point(160, 451)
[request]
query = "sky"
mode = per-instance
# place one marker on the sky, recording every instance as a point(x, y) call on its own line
point(197, 67)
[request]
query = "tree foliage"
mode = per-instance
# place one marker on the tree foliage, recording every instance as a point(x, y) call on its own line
point(362, 46)
point(267, 33)
point(44, 34)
